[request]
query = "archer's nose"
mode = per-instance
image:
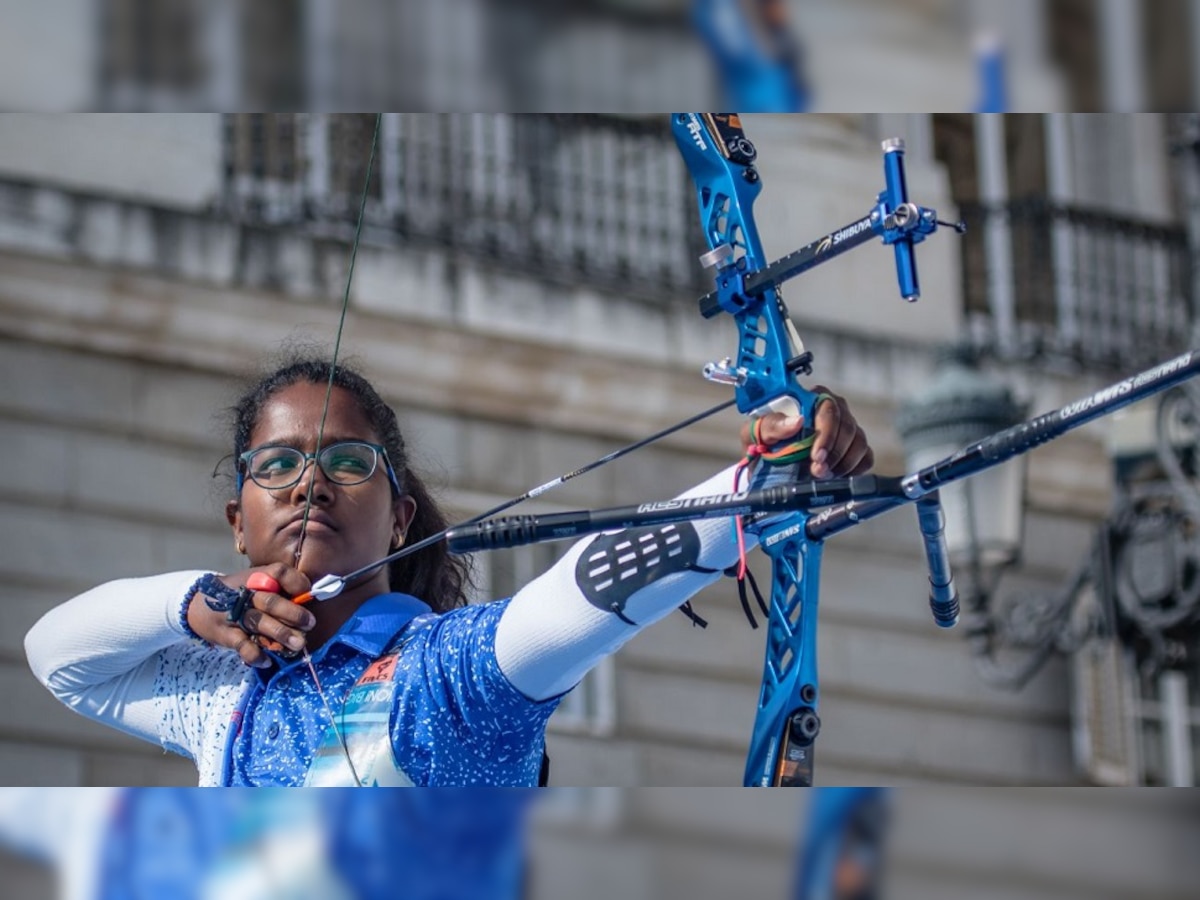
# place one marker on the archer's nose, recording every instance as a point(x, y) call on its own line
point(313, 483)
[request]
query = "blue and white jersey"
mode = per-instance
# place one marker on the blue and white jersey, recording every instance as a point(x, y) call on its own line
point(454, 718)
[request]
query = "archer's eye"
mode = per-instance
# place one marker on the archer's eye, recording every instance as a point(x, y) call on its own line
point(348, 463)
point(275, 463)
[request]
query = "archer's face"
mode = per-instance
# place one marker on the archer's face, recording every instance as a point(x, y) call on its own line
point(348, 526)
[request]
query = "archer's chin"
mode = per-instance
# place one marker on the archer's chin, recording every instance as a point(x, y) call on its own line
point(319, 553)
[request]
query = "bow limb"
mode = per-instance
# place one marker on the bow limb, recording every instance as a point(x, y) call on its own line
point(765, 377)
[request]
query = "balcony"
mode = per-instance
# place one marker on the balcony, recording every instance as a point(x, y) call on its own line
point(1080, 289)
point(581, 199)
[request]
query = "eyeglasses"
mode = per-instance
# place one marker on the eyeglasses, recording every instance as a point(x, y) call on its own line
point(344, 463)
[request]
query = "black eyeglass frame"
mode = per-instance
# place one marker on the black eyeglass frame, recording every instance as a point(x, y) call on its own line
point(243, 466)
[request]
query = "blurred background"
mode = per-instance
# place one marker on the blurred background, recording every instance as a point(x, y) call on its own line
point(599, 55)
point(928, 844)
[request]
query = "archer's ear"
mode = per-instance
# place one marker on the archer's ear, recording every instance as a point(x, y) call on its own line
point(404, 509)
point(233, 515)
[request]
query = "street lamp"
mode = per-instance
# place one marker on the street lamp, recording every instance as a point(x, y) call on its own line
point(984, 513)
point(962, 405)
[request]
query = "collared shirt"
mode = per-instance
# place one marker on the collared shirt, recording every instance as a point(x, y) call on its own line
point(457, 719)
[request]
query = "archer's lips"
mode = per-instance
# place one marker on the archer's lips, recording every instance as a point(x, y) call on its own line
point(317, 523)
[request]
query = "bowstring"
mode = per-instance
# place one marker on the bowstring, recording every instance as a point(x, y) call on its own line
point(312, 483)
point(337, 341)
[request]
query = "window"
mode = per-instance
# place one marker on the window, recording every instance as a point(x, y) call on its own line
point(1167, 42)
point(269, 53)
point(1135, 727)
point(501, 573)
point(1164, 54)
point(1024, 176)
point(1167, 710)
point(347, 153)
point(1046, 276)
point(150, 54)
point(591, 707)
point(265, 166)
point(1073, 30)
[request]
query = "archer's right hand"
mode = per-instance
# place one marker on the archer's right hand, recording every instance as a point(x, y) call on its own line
point(272, 620)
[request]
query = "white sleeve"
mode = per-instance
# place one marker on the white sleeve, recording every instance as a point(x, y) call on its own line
point(97, 653)
point(551, 635)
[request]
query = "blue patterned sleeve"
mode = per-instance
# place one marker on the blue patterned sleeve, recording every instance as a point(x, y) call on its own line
point(196, 689)
point(459, 720)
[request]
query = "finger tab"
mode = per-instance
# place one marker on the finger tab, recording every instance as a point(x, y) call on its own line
point(261, 581)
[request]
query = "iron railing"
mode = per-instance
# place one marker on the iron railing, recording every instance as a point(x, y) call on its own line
point(586, 199)
point(606, 200)
point(1100, 291)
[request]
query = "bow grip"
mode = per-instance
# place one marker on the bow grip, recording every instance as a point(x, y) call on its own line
point(798, 401)
point(901, 217)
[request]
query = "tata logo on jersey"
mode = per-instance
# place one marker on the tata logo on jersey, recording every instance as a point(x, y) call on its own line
point(697, 132)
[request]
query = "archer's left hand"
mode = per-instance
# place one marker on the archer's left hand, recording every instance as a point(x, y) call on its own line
point(840, 446)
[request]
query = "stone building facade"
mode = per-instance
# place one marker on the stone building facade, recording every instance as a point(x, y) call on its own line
point(148, 263)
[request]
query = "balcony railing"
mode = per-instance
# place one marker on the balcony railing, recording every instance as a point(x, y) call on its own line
point(1080, 287)
point(585, 199)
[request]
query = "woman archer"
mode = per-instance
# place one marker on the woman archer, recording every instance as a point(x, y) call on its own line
point(397, 680)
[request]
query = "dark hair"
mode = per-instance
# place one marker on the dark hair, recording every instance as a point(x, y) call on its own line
point(432, 574)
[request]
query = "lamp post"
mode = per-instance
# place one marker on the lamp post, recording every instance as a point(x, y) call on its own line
point(984, 513)
point(1136, 578)
point(961, 406)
